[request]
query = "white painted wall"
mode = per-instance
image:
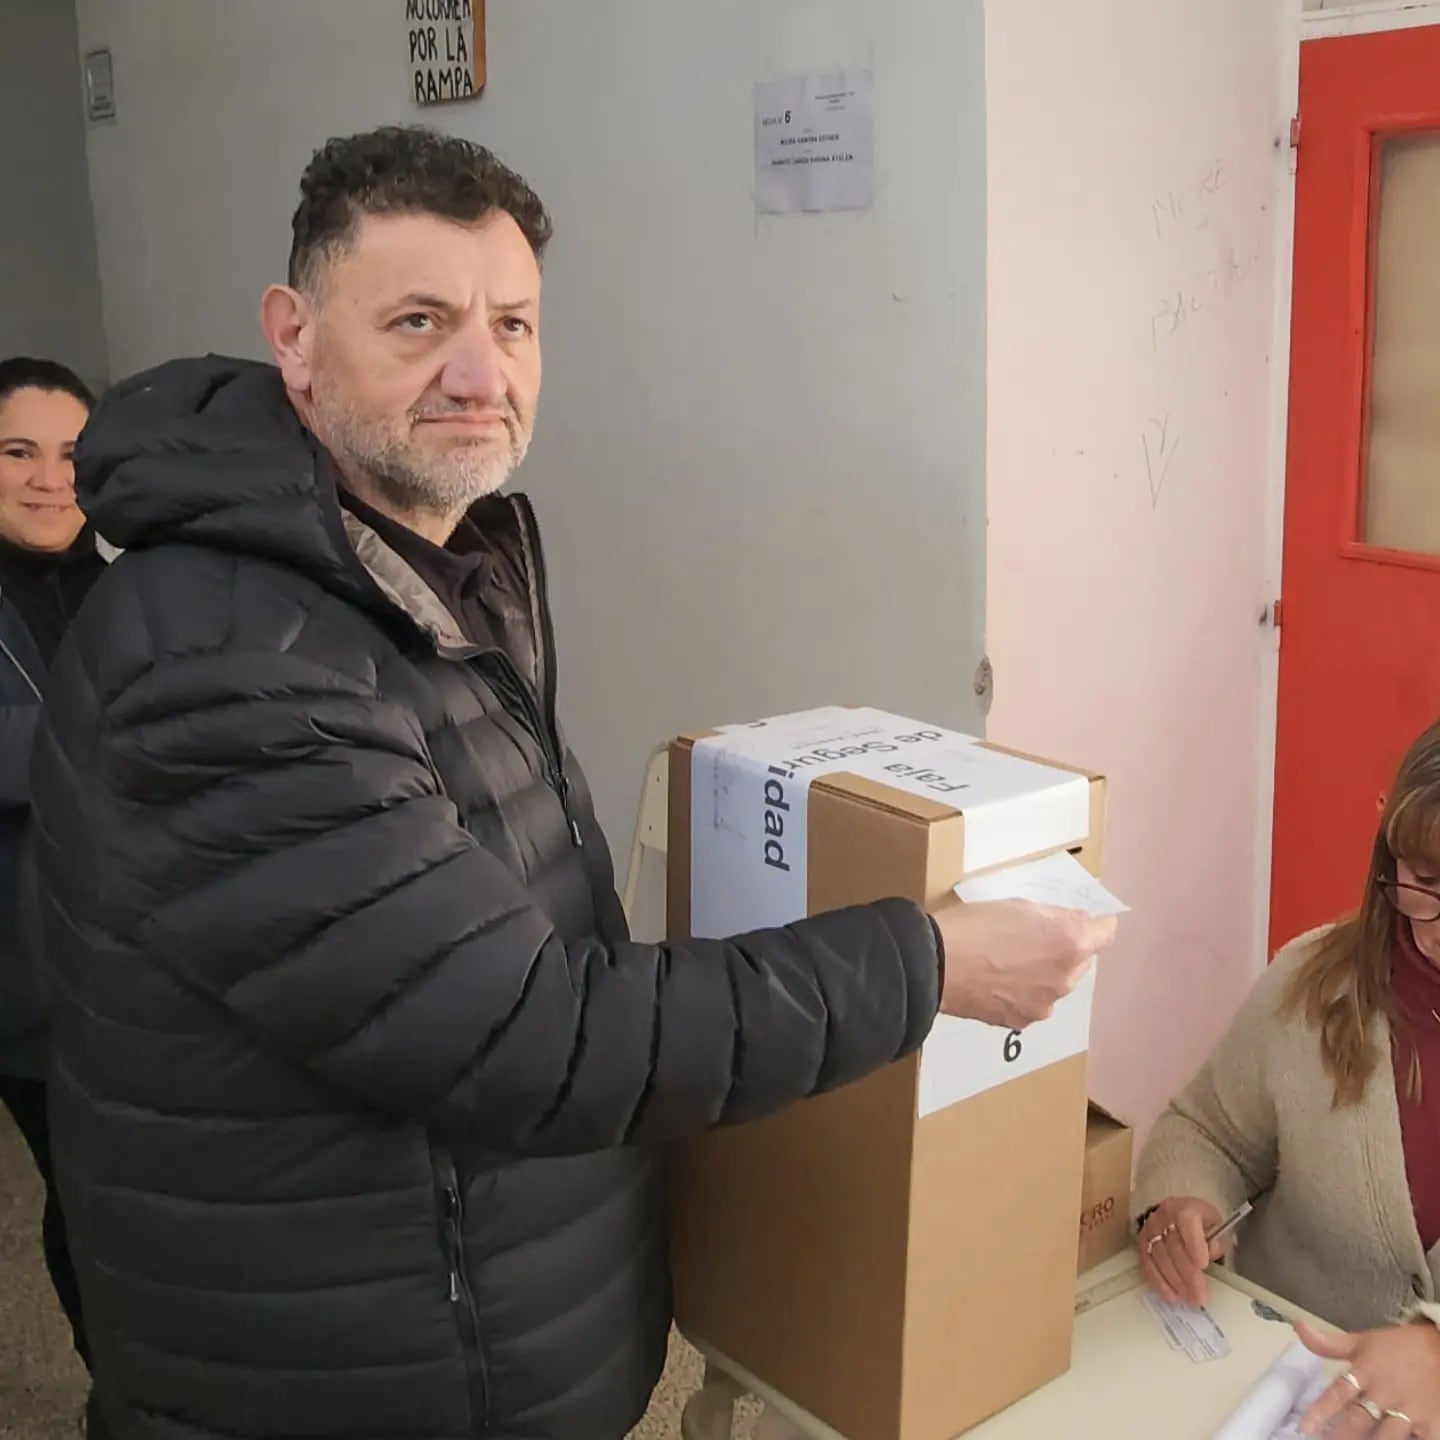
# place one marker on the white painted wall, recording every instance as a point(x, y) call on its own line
point(760, 454)
point(49, 286)
point(1131, 497)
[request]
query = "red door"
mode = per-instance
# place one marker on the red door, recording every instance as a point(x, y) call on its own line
point(1360, 623)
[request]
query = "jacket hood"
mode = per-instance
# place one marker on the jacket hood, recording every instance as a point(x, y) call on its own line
point(210, 452)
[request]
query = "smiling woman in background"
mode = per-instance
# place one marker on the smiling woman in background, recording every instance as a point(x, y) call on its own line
point(1322, 1107)
point(48, 562)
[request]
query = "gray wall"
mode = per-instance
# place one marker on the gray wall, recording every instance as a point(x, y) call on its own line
point(49, 284)
point(760, 455)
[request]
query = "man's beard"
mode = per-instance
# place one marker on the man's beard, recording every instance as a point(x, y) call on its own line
point(415, 478)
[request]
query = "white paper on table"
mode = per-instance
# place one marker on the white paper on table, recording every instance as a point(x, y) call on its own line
point(815, 143)
point(963, 1058)
point(1188, 1329)
point(1279, 1399)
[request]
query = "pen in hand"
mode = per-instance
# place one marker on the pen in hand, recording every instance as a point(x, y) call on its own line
point(1226, 1226)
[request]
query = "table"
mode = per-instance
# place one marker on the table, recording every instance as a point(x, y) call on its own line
point(1124, 1383)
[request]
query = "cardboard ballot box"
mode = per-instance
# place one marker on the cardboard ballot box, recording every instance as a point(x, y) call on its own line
point(1105, 1188)
point(898, 1257)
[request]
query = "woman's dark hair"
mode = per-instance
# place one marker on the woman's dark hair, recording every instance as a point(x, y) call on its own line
point(22, 372)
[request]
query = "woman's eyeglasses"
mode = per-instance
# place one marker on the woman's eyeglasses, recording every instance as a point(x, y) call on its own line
point(1412, 901)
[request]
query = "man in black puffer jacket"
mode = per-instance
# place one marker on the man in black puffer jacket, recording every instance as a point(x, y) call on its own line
point(358, 1077)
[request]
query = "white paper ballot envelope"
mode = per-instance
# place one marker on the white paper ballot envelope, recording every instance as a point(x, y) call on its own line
point(1275, 1406)
point(1059, 880)
point(962, 1058)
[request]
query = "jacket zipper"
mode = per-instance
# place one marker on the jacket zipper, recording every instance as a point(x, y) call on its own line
point(462, 1301)
point(519, 699)
point(24, 673)
point(14, 659)
point(543, 712)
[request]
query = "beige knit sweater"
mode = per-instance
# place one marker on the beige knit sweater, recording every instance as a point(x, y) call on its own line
point(1333, 1229)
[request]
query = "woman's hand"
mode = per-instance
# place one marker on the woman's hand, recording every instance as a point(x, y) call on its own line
point(1174, 1253)
point(1391, 1390)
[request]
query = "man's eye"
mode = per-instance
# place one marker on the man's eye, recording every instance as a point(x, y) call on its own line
point(418, 323)
point(515, 326)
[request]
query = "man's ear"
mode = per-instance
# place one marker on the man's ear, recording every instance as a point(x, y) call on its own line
point(288, 324)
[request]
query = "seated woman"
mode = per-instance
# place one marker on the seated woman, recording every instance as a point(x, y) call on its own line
point(1321, 1105)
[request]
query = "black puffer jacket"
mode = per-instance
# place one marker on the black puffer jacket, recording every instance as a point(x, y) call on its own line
point(357, 1075)
point(48, 588)
point(23, 994)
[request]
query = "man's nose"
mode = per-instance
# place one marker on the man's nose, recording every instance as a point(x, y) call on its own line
point(475, 371)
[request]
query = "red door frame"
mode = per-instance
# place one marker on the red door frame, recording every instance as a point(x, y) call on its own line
point(1354, 92)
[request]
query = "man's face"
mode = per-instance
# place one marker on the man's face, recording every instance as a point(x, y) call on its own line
point(424, 358)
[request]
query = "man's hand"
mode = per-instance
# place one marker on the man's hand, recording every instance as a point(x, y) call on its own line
point(1007, 962)
point(1394, 1373)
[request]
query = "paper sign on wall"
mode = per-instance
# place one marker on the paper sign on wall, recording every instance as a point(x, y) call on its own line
point(447, 49)
point(815, 143)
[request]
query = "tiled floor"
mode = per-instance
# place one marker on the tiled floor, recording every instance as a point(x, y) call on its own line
point(42, 1385)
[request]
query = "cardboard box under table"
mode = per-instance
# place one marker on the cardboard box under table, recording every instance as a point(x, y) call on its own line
point(898, 1257)
point(1105, 1190)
